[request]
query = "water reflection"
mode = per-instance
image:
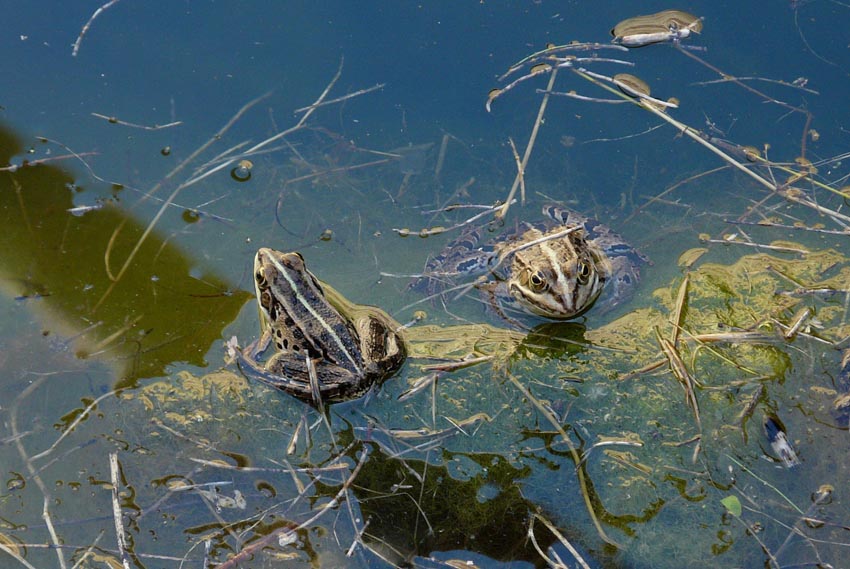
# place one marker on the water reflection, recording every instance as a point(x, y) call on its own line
point(167, 308)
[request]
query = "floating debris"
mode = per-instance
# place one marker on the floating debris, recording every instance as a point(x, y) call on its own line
point(191, 215)
point(669, 25)
point(84, 209)
point(631, 85)
point(778, 439)
point(242, 171)
point(636, 87)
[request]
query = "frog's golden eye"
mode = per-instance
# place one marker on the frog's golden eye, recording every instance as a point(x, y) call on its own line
point(538, 282)
point(260, 278)
point(583, 273)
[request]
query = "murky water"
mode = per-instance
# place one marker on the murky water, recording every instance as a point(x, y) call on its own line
point(121, 418)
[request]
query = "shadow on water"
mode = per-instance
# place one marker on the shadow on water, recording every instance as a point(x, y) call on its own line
point(165, 309)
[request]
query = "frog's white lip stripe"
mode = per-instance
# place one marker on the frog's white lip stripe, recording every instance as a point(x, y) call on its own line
point(315, 315)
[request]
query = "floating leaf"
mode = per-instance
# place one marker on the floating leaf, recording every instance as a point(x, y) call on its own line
point(689, 257)
point(732, 505)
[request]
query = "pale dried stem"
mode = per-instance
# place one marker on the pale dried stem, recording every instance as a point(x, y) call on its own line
point(289, 469)
point(519, 170)
point(340, 99)
point(681, 298)
point(730, 79)
point(758, 246)
point(45, 514)
point(336, 170)
point(657, 198)
point(84, 557)
point(81, 417)
point(581, 474)
point(754, 91)
point(217, 136)
point(695, 135)
point(791, 227)
point(520, 174)
point(773, 563)
point(681, 373)
point(243, 555)
point(114, 120)
point(14, 554)
point(16, 167)
point(88, 24)
point(461, 190)
point(573, 551)
point(117, 516)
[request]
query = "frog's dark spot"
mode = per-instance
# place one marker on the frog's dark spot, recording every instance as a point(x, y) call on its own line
point(285, 344)
point(289, 322)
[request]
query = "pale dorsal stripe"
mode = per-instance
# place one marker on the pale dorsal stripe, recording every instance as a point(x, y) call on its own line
point(337, 340)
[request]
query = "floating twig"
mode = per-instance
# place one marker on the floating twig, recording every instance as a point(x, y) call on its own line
point(217, 136)
point(580, 473)
point(70, 428)
point(753, 90)
point(573, 551)
point(521, 168)
point(316, 105)
point(30, 163)
point(679, 311)
point(764, 223)
point(681, 373)
point(728, 78)
point(88, 24)
point(45, 512)
point(117, 516)
point(284, 532)
point(734, 241)
point(114, 120)
point(428, 231)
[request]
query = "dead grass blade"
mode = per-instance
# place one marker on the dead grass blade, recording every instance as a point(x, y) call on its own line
point(521, 167)
point(245, 555)
point(88, 24)
point(536, 516)
point(681, 373)
point(679, 311)
point(117, 515)
point(581, 472)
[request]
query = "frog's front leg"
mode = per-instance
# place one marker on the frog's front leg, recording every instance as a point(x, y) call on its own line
point(464, 257)
point(258, 347)
point(247, 359)
point(499, 301)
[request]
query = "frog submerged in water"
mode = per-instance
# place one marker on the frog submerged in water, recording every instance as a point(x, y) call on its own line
point(556, 269)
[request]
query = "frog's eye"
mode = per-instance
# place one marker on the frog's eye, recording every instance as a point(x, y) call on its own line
point(538, 282)
point(260, 278)
point(583, 273)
